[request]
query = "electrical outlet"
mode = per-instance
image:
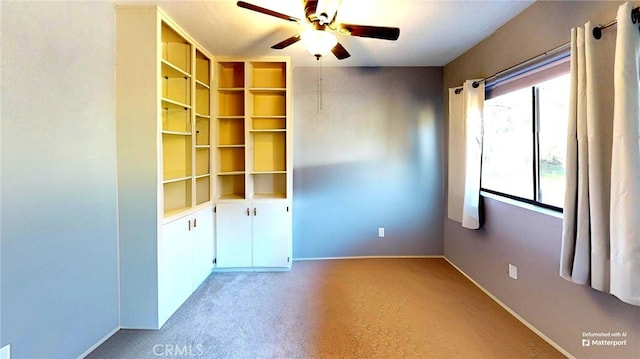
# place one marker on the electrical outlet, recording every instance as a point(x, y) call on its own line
point(381, 232)
point(513, 271)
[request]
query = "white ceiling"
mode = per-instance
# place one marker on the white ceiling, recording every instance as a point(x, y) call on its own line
point(432, 32)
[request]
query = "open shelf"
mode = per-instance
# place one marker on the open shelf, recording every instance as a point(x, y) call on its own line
point(269, 103)
point(203, 65)
point(269, 151)
point(202, 101)
point(177, 196)
point(230, 74)
point(230, 102)
point(269, 75)
point(231, 159)
point(203, 189)
point(269, 123)
point(176, 119)
point(175, 49)
point(231, 131)
point(231, 186)
point(202, 131)
point(269, 185)
point(202, 161)
point(176, 156)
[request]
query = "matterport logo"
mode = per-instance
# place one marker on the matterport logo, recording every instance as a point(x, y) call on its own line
point(178, 350)
point(604, 339)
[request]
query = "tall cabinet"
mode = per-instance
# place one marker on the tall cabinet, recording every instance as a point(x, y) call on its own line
point(254, 174)
point(166, 190)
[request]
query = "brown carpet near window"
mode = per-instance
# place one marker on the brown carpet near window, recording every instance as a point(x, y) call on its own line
point(355, 308)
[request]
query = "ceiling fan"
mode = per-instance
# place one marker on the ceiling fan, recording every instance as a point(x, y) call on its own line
point(319, 36)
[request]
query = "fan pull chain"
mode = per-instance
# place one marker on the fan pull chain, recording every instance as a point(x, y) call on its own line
point(321, 87)
point(318, 85)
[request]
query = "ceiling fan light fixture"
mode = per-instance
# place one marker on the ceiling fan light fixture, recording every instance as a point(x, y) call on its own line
point(318, 42)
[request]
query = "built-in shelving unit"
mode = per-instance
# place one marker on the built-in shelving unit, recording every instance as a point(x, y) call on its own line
point(254, 173)
point(164, 108)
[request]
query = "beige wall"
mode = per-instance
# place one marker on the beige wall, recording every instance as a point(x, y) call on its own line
point(559, 309)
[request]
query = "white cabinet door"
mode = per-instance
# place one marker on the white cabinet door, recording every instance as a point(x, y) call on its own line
point(271, 235)
point(233, 235)
point(202, 246)
point(174, 267)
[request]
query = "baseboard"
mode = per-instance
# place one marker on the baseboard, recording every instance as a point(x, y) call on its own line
point(514, 314)
point(96, 345)
point(362, 257)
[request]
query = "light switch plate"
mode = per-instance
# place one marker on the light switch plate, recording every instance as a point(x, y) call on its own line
point(381, 232)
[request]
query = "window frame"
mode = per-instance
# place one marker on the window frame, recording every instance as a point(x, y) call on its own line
point(535, 132)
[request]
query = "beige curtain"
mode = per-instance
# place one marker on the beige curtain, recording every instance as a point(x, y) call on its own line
point(625, 166)
point(465, 153)
point(595, 162)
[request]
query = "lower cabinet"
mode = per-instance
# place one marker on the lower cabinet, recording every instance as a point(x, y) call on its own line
point(185, 259)
point(253, 235)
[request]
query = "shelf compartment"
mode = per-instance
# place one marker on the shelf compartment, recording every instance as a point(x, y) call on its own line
point(231, 74)
point(231, 186)
point(269, 123)
point(175, 49)
point(202, 161)
point(202, 101)
point(177, 89)
point(203, 68)
point(230, 103)
point(269, 103)
point(202, 131)
point(269, 151)
point(176, 119)
point(231, 131)
point(231, 159)
point(177, 196)
point(269, 74)
point(203, 189)
point(176, 156)
point(269, 185)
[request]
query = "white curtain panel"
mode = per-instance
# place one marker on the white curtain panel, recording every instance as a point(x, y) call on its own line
point(625, 166)
point(473, 108)
point(455, 181)
point(594, 163)
point(465, 153)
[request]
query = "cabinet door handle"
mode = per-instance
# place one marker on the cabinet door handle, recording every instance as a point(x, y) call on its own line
point(194, 223)
point(189, 225)
point(248, 213)
point(255, 211)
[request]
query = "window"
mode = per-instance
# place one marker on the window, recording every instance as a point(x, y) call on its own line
point(525, 130)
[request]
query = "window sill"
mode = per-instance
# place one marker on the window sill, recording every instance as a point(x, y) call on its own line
point(520, 204)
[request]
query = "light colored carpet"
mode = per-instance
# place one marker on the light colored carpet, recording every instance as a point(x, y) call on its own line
point(361, 308)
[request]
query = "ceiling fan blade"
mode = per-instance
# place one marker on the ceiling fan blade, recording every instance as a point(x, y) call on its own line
point(310, 8)
point(340, 52)
point(265, 11)
point(376, 32)
point(290, 41)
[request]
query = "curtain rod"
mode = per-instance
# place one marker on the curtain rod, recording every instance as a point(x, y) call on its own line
point(597, 33)
point(635, 18)
point(555, 51)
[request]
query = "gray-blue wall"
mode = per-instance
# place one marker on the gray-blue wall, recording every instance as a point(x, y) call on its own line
point(371, 157)
point(59, 226)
